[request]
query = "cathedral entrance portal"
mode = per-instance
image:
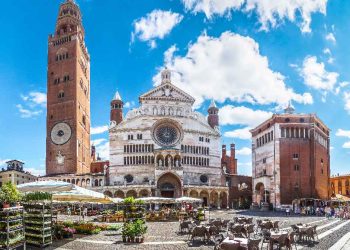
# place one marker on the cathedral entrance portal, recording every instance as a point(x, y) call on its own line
point(167, 190)
point(169, 186)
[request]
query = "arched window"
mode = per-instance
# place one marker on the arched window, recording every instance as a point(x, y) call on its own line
point(128, 178)
point(96, 183)
point(60, 94)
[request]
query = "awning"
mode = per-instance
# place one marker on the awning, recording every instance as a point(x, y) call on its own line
point(45, 186)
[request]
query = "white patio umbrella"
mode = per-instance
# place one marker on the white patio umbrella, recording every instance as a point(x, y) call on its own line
point(81, 195)
point(188, 199)
point(157, 200)
point(45, 186)
point(117, 200)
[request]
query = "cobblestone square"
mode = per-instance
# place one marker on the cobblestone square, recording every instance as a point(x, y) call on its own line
point(165, 235)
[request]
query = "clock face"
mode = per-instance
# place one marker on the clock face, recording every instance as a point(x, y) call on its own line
point(166, 134)
point(61, 133)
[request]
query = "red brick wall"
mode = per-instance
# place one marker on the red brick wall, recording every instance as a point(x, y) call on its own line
point(312, 183)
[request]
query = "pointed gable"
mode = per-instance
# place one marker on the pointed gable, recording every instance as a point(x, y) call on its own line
point(167, 92)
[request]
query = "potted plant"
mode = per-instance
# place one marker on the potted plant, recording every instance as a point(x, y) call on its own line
point(9, 195)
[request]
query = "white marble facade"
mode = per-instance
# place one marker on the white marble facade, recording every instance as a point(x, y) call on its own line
point(164, 144)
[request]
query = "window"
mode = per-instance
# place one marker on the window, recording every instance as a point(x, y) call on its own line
point(296, 167)
point(295, 156)
point(322, 171)
point(66, 78)
point(84, 120)
point(128, 178)
point(203, 178)
point(264, 160)
point(56, 81)
point(60, 94)
point(139, 136)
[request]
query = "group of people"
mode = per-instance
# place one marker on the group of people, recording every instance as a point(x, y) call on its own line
point(342, 212)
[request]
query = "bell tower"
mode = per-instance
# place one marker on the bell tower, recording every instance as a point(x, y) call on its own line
point(213, 115)
point(117, 108)
point(68, 95)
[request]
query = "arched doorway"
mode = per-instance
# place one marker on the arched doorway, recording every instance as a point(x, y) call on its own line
point(205, 197)
point(194, 194)
point(143, 193)
point(108, 193)
point(131, 193)
point(119, 194)
point(169, 185)
point(262, 195)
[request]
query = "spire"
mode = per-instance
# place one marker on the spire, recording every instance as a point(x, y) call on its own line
point(289, 109)
point(212, 104)
point(117, 96)
point(166, 76)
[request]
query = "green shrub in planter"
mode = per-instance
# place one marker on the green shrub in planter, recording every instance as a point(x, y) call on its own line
point(9, 194)
point(37, 196)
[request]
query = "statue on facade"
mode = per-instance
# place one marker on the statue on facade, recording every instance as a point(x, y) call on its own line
point(160, 163)
point(177, 163)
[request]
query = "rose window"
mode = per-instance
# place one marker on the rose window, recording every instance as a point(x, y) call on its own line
point(166, 134)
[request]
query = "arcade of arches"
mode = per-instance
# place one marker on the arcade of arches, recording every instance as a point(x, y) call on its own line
point(169, 185)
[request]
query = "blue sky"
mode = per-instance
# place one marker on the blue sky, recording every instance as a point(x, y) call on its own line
point(251, 56)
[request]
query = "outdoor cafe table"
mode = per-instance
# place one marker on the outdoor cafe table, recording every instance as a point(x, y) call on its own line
point(243, 242)
point(275, 236)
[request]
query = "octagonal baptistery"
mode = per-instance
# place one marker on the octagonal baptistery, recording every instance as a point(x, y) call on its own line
point(164, 147)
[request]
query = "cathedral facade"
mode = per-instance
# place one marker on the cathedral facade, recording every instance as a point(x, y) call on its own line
point(165, 148)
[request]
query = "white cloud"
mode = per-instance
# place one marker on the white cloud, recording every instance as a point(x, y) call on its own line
point(241, 133)
point(33, 105)
point(230, 115)
point(244, 151)
point(35, 98)
point(36, 171)
point(328, 52)
point(98, 142)
point(347, 101)
point(228, 67)
point(156, 24)
point(341, 86)
point(316, 76)
point(98, 129)
point(3, 162)
point(244, 168)
point(103, 150)
point(27, 113)
point(330, 37)
point(270, 13)
point(129, 104)
point(343, 133)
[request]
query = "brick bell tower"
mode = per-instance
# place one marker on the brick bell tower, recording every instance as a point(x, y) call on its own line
point(213, 115)
point(117, 108)
point(68, 95)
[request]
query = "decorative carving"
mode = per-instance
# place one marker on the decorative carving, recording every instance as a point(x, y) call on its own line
point(60, 158)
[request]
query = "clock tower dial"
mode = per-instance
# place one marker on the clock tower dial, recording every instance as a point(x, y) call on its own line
point(61, 133)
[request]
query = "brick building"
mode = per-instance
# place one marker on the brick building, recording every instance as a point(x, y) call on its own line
point(290, 156)
point(68, 95)
point(339, 184)
point(240, 186)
